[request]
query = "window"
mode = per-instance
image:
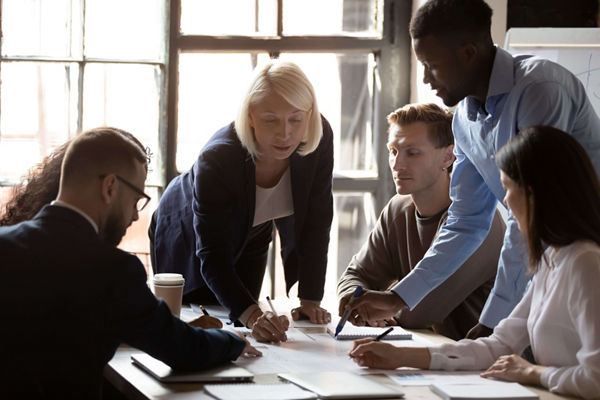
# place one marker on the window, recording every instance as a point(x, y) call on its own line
point(342, 46)
point(174, 73)
point(70, 65)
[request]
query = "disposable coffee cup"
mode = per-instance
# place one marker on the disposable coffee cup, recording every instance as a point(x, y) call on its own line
point(169, 287)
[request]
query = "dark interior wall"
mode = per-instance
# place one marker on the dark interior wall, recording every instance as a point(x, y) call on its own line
point(552, 13)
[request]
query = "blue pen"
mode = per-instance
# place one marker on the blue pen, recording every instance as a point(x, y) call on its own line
point(357, 292)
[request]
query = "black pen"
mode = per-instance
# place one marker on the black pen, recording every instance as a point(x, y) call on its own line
point(384, 334)
point(204, 310)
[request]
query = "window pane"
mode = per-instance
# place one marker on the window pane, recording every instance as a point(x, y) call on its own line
point(343, 86)
point(41, 28)
point(331, 17)
point(127, 97)
point(232, 17)
point(211, 87)
point(38, 113)
point(132, 29)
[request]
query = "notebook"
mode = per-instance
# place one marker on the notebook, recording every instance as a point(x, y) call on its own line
point(162, 372)
point(351, 332)
point(341, 385)
point(493, 390)
point(255, 391)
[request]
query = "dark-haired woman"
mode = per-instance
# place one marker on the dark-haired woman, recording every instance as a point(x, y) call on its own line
point(553, 192)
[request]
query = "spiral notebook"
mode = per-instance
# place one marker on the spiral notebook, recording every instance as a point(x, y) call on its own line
point(351, 332)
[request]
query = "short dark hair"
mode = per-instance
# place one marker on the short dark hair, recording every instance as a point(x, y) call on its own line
point(556, 172)
point(101, 151)
point(452, 18)
point(437, 119)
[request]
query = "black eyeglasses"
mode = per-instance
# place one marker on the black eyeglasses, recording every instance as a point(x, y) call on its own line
point(142, 201)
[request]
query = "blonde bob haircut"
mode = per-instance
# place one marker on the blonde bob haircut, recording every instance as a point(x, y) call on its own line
point(287, 80)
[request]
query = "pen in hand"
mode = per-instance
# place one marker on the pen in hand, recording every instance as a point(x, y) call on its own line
point(357, 292)
point(275, 314)
point(384, 334)
point(204, 310)
point(272, 308)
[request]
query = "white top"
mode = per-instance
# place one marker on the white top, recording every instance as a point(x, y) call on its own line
point(275, 202)
point(559, 316)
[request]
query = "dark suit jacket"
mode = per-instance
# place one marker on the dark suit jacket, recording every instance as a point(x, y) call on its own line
point(67, 300)
point(205, 215)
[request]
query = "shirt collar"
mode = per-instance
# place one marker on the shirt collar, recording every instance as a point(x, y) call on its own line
point(503, 74)
point(61, 203)
point(501, 82)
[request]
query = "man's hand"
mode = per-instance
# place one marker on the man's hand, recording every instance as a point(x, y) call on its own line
point(268, 327)
point(374, 306)
point(479, 330)
point(206, 322)
point(368, 353)
point(515, 369)
point(353, 318)
point(249, 350)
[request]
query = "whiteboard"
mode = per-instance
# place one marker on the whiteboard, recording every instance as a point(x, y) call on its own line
point(577, 49)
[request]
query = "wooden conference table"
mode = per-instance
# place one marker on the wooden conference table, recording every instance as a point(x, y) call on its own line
point(134, 383)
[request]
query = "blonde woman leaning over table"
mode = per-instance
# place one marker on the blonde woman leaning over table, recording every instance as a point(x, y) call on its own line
point(553, 192)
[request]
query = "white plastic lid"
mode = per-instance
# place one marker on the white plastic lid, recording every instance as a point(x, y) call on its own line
point(167, 279)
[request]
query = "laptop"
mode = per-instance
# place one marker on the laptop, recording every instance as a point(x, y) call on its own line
point(342, 385)
point(162, 372)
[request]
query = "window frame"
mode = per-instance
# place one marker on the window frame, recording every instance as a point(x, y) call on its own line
point(82, 61)
point(392, 49)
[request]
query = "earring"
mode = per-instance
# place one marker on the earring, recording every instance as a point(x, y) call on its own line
point(443, 169)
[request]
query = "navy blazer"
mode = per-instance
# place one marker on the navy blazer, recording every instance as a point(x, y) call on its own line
point(205, 215)
point(67, 300)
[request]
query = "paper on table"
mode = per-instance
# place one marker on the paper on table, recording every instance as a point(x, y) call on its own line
point(426, 378)
point(301, 353)
point(255, 391)
point(491, 390)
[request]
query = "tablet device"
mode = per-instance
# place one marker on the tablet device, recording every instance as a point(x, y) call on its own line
point(159, 370)
point(341, 385)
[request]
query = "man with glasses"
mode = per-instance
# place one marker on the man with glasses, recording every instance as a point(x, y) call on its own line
point(69, 297)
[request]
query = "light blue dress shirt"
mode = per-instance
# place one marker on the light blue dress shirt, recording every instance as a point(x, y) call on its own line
point(523, 91)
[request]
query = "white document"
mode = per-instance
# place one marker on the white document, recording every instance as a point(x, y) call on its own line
point(493, 390)
point(254, 391)
point(426, 378)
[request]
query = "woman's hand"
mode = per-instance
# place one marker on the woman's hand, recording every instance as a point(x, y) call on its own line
point(312, 311)
point(515, 369)
point(206, 322)
point(372, 354)
point(270, 328)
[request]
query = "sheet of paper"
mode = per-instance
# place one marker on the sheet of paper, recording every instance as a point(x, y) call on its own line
point(411, 377)
point(254, 391)
point(307, 351)
point(302, 352)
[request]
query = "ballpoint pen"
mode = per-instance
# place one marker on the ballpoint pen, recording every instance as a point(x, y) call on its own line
point(384, 334)
point(204, 310)
point(271, 306)
point(357, 292)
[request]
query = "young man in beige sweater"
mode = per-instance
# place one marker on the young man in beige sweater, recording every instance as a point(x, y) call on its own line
point(420, 148)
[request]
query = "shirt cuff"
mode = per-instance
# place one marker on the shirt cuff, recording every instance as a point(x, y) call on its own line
point(545, 378)
point(247, 314)
point(412, 289)
point(495, 310)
